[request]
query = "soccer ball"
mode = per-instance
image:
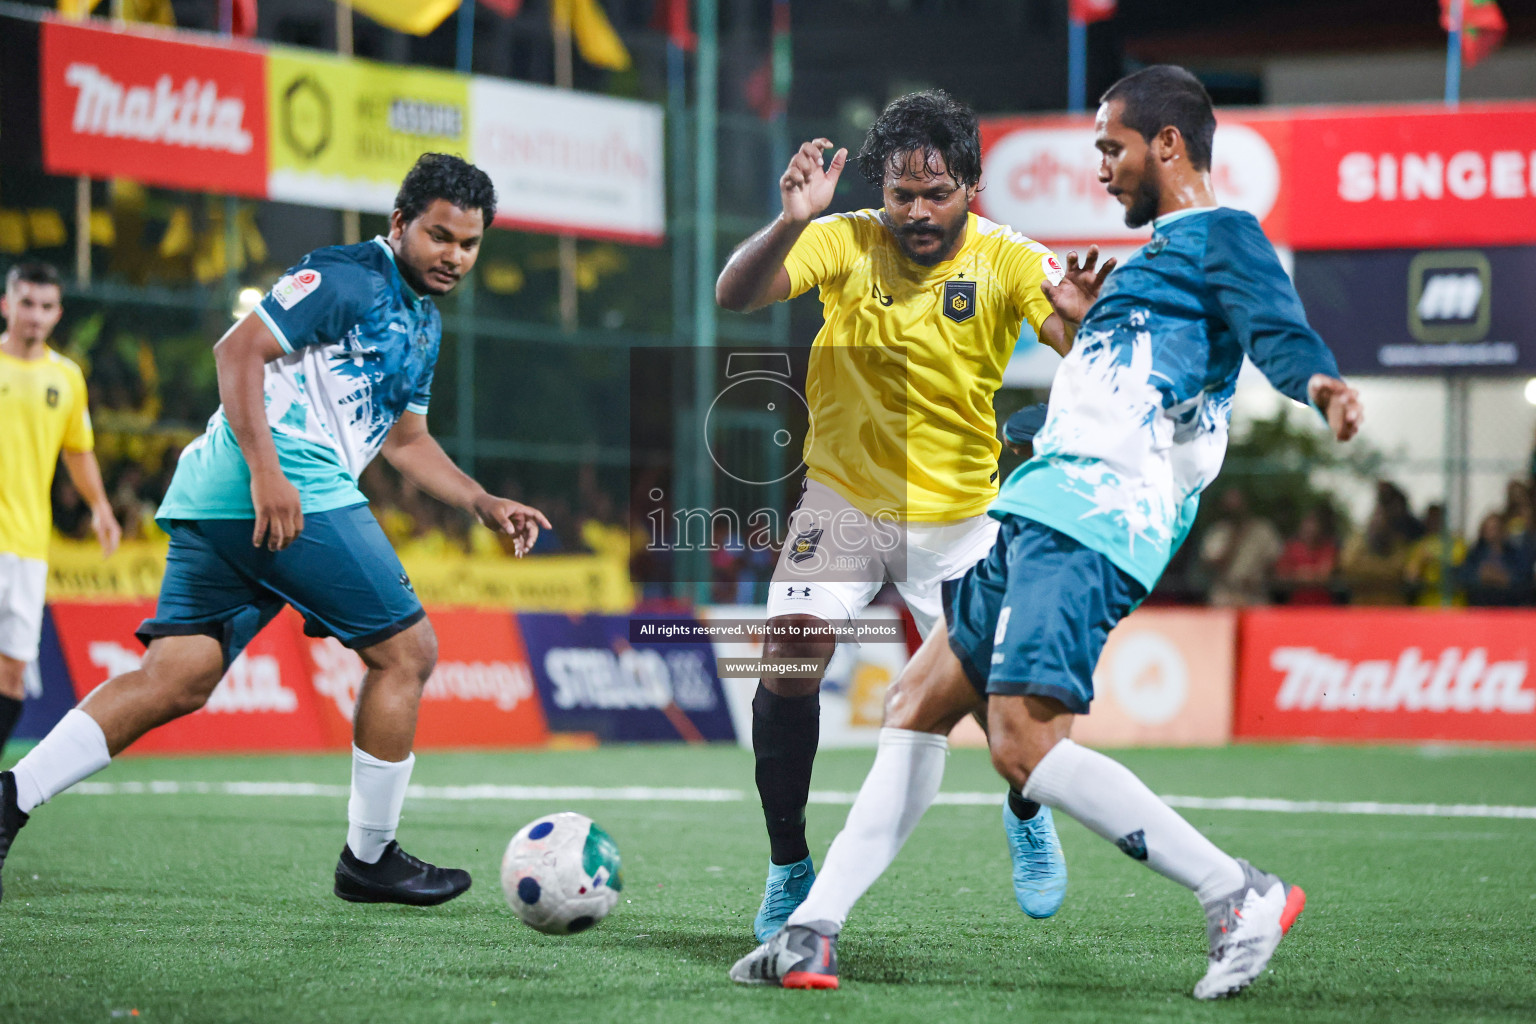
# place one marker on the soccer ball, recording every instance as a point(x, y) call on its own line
point(561, 873)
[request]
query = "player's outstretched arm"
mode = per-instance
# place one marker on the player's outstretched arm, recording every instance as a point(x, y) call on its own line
point(1339, 403)
point(412, 450)
point(241, 357)
point(85, 474)
point(754, 276)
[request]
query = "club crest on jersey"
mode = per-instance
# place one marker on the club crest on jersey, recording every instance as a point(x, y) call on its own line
point(959, 300)
point(291, 289)
point(52, 398)
point(804, 545)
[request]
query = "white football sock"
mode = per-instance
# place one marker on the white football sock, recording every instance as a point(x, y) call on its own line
point(1107, 797)
point(901, 784)
point(74, 749)
point(373, 812)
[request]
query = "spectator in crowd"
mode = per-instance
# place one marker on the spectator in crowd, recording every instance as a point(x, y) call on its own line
point(1305, 571)
point(1375, 561)
point(1497, 572)
point(1239, 551)
point(1426, 563)
point(1400, 518)
point(1519, 516)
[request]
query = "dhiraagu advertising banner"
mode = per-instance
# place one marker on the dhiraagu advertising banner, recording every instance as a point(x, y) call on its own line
point(343, 132)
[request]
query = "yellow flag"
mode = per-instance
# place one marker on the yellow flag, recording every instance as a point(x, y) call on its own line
point(595, 38)
point(418, 17)
point(153, 12)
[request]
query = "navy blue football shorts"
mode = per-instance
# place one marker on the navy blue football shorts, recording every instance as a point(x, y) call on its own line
point(1031, 617)
point(340, 573)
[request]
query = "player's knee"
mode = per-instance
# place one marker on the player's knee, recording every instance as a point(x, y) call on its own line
point(418, 656)
point(13, 678)
point(184, 687)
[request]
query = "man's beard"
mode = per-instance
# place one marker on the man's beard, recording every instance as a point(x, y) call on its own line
point(946, 242)
point(415, 276)
point(1145, 200)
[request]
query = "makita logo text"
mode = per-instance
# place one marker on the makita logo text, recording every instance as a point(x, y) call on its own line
point(194, 115)
point(253, 684)
point(1454, 681)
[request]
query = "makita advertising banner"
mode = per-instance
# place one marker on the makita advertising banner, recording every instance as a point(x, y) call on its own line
point(300, 126)
point(155, 109)
point(1396, 311)
point(592, 679)
point(1387, 674)
point(1317, 178)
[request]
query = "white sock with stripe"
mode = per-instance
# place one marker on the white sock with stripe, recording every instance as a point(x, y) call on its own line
point(1109, 799)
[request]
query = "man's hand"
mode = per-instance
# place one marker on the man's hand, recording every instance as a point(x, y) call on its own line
point(1079, 288)
point(516, 520)
point(1339, 402)
point(279, 512)
point(806, 187)
point(104, 525)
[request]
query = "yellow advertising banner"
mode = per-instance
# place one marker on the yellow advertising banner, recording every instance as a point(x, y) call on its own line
point(343, 132)
point(547, 583)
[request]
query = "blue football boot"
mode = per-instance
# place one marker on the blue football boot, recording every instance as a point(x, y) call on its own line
point(788, 885)
point(1039, 869)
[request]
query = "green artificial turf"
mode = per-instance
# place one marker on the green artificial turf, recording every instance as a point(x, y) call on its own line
point(217, 908)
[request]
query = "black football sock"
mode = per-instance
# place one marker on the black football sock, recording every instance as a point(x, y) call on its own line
point(10, 712)
point(1022, 809)
point(785, 731)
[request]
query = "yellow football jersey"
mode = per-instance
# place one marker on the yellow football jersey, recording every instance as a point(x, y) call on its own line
point(902, 374)
point(42, 409)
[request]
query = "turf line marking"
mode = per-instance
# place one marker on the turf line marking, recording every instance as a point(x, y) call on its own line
point(682, 794)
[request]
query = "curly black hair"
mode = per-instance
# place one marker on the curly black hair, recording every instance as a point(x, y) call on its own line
point(932, 123)
point(1162, 95)
point(444, 176)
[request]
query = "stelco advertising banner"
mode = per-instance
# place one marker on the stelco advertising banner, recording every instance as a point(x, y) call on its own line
point(593, 679)
point(1383, 674)
point(180, 111)
point(1317, 178)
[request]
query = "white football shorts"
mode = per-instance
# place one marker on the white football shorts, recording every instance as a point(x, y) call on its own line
point(22, 584)
point(836, 558)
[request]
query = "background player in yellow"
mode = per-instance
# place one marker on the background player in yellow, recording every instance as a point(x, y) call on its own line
point(43, 411)
point(923, 302)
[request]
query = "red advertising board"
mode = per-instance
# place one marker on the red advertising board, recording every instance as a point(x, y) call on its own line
point(481, 694)
point(1402, 177)
point(264, 702)
point(153, 108)
point(291, 692)
point(1387, 674)
point(1317, 178)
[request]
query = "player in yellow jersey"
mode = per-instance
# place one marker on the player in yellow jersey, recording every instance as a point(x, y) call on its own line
point(923, 303)
point(43, 411)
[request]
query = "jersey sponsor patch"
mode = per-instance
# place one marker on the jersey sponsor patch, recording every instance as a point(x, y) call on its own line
point(290, 290)
point(1054, 271)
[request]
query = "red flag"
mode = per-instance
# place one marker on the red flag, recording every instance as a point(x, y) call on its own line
point(671, 17)
point(505, 8)
point(242, 15)
point(1090, 11)
point(1482, 27)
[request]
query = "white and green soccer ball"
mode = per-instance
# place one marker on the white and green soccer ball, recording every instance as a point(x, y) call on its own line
point(561, 873)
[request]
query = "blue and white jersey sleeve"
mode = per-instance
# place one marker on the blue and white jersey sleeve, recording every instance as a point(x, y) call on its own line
point(1259, 303)
point(318, 302)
